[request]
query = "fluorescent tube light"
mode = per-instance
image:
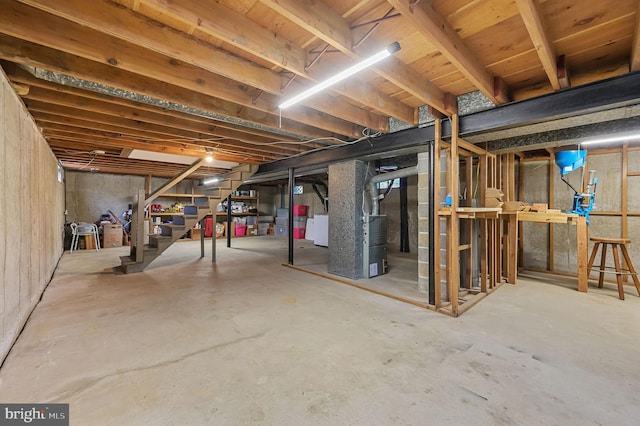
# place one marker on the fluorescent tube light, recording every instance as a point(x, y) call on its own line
point(612, 139)
point(209, 181)
point(390, 50)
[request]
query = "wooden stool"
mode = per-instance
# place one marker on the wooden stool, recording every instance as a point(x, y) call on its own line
point(614, 243)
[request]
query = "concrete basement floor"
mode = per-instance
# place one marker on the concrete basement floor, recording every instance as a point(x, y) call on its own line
point(248, 341)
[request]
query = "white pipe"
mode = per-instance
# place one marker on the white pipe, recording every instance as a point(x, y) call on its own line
point(373, 191)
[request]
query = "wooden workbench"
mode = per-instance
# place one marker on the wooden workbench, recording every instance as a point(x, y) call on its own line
point(511, 241)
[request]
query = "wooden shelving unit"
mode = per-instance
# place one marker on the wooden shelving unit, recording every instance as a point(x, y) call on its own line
point(253, 203)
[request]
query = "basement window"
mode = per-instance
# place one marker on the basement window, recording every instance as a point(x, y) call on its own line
point(298, 189)
point(385, 184)
point(59, 173)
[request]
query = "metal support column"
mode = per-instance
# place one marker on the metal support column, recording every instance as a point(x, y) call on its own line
point(404, 217)
point(213, 236)
point(229, 221)
point(201, 238)
point(292, 183)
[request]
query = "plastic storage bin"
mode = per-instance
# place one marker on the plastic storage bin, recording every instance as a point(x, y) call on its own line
point(298, 233)
point(281, 231)
point(299, 222)
point(241, 230)
point(299, 210)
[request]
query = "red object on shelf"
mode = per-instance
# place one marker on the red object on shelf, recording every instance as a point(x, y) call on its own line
point(298, 233)
point(241, 230)
point(299, 210)
point(208, 226)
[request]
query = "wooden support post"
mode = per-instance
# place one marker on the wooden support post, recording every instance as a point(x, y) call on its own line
point(148, 184)
point(484, 237)
point(583, 247)
point(138, 214)
point(468, 281)
point(202, 238)
point(453, 233)
point(512, 260)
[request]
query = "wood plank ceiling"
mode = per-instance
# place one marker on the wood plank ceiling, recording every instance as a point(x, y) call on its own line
point(190, 77)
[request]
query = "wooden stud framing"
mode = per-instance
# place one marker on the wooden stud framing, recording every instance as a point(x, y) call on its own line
point(434, 210)
point(453, 230)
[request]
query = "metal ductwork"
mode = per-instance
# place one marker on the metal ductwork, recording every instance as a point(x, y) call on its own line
point(373, 191)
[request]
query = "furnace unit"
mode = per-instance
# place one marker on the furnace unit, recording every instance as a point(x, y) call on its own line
point(374, 253)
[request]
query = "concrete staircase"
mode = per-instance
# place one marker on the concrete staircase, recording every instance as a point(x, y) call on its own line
point(182, 223)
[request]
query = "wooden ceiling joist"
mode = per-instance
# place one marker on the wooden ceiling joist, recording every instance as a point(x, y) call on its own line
point(150, 138)
point(428, 21)
point(635, 47)
point(282, 53)
point(79, 41)
point(118, 22)
point(536, 28)
point(21, 76)
point(206, 131)
point(31, 54)
point(186, 76)
point(329, 26)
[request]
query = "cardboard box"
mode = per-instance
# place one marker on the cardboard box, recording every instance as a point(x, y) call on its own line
point(112, 236)
point(89, 242)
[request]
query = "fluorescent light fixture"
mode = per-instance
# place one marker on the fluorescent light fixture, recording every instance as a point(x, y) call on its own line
point(177, 159)
point(390, 50)
point(612, 139)
point(210, 180)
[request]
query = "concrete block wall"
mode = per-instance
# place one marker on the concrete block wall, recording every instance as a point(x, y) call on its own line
point(308, 198)
point(31, 215)
point(609, 199)
point(90, 195)
point(424, 210)
point(391, 207)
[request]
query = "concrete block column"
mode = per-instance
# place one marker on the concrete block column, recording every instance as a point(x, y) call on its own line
point(346, 186)
point(424, 210)
point(423, 221)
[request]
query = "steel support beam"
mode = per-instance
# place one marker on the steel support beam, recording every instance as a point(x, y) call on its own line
point(595, 97)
